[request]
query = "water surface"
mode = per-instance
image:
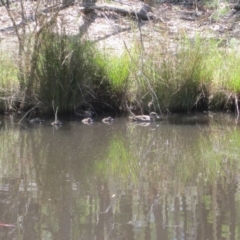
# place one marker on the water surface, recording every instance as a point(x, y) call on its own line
point(174, 179)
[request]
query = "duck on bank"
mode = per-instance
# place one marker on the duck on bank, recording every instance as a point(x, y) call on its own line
point(145, 118)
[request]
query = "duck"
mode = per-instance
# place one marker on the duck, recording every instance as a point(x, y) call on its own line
point(107, 120)
point(87, 121)
point(145, 118)
point(84, 113)
point(36, 120)
point(56, 123)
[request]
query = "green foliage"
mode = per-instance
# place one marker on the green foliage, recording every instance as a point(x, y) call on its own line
point(9, 84)
point(66, 71)
point(220, 12)
point(231, 71)
point(180, 77)
point(119, 160)
point(117, 68)
point(69, 71)
point(191, 74)
point(8, 72)
point(72, 72)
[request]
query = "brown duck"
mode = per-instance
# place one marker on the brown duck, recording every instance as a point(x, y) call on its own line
point(145, 118)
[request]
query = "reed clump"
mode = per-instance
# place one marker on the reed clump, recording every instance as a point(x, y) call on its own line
point(67, 72)
point(190, 74)
point(9, 83)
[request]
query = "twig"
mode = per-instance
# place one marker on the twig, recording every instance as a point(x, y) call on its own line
point(27, 113)
point(236, 104)
point(129, 110)
point(150, 86)
point(55, 112)
point(15, 26)
point(53, 106)
point(128, 51)
point(56, 119)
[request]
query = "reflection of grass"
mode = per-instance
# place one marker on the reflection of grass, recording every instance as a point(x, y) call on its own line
point(119, 161)
point(204, 158)
point(181, 162)
point(211, 159)
point(9, 140)
point(156, 172)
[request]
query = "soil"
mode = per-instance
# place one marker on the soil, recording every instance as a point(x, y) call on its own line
point(113, 31)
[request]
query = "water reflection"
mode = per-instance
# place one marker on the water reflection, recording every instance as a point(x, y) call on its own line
point(166, 180)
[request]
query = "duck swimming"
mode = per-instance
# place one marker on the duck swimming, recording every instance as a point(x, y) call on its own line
point(145, 118)
point(36, 120)
point(107, 120)
point(87, 121)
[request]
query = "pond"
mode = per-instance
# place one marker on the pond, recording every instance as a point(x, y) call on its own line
point(173, 179)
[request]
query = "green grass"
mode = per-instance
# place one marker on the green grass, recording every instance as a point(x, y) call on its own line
point(180, 77)
point(9, 84)
point(189, 74)
point(8, 72)
point(65, 71)
point(117, 69)
point(231, 72)
point(73, 72)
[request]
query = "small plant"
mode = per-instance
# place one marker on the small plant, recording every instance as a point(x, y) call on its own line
point(9, 84)
point(8, 72)
point(221, 9)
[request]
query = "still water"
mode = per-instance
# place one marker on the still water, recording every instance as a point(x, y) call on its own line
point(174, 179)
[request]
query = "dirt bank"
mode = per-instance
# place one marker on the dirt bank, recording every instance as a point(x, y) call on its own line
point(112, 30)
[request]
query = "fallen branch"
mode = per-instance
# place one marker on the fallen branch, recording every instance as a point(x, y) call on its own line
point(27, 113)
point(141, 14)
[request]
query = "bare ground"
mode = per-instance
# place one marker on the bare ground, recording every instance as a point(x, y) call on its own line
point(114, 31)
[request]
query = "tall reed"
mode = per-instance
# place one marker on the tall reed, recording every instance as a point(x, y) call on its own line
point(9, 85)
point(66, 71)
point(180, 75)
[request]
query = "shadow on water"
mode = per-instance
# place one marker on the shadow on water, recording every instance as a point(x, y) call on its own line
point(174, 179)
